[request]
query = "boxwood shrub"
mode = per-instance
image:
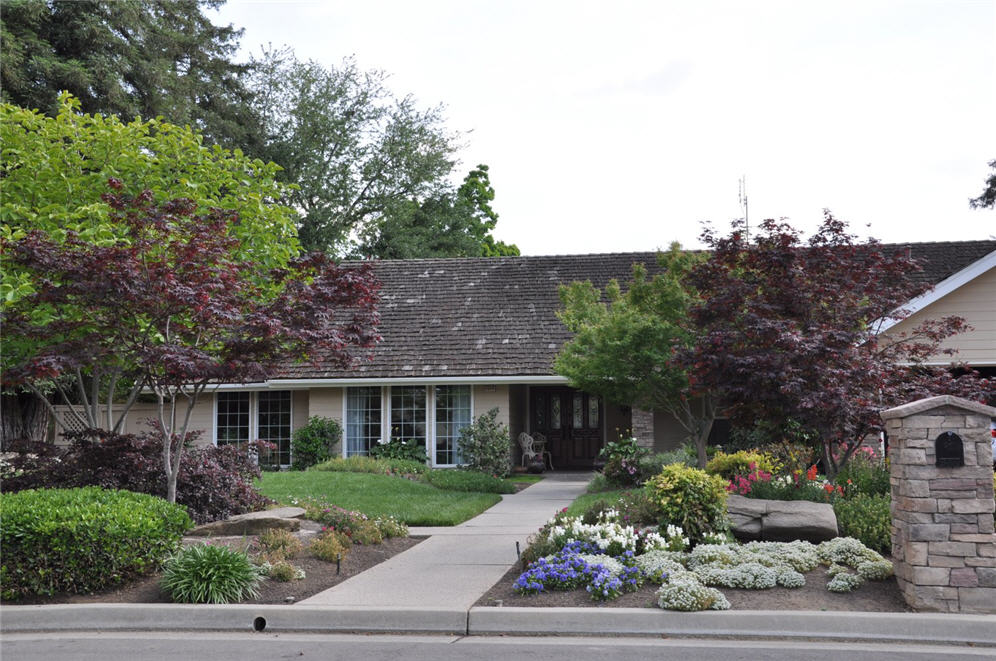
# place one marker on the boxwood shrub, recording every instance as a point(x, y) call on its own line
point(689, 498)
point(866, 517)
point(83, 540)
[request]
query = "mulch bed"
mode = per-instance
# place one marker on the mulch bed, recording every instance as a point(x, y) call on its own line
point(873, 596)
point(319, 576)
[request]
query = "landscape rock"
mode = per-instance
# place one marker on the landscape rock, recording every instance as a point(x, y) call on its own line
point(252, 523)
point(755, 519)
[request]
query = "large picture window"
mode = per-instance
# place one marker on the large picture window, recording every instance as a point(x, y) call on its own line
point(233, 418)
point(362, 419)
point(273, 424)
point(452, 414)
point(248, 416)
point(408, 413)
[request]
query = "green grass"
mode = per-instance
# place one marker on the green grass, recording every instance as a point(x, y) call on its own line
point(582, 502)
point(414, 503)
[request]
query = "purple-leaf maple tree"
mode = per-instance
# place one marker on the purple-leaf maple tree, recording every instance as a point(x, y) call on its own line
point(170, 310)
point(789, 330)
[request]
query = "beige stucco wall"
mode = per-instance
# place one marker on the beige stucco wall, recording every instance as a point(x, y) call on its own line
point(488, 397)
point(325, 403)
point(299, 409)
point(201, 419)
point(976, 303)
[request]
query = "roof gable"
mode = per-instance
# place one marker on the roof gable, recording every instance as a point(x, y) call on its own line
point(496, 317)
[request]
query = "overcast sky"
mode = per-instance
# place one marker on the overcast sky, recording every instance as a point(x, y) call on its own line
point(620, 126)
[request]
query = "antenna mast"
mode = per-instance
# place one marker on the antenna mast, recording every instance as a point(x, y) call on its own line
point(743, 205)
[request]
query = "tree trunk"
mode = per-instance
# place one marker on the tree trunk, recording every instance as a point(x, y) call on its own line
point(25, 416)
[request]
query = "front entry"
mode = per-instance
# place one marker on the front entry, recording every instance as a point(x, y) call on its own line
point(571, 421)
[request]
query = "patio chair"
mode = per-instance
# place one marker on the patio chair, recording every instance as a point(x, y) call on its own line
point(531, 450)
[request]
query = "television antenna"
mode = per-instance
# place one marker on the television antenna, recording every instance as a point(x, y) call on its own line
point(742, 196)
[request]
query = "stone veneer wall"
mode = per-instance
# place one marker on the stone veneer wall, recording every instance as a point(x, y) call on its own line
point(943, 541)
point(642, 423)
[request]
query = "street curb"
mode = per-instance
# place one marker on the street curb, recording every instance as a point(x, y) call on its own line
point(868, 627)
point(937, 628)
point(237, 617)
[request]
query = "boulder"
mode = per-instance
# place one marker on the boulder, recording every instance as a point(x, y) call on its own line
point(781, 520)
point(252, 523)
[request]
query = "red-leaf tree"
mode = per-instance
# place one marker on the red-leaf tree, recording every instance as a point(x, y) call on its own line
point(789, 331)
point(170, 310)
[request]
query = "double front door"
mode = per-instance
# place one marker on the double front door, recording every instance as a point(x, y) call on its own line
point(572, 423)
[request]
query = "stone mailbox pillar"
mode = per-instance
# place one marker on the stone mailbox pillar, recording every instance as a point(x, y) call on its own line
point(943, 543)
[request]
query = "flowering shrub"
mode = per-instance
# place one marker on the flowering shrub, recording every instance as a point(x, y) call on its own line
point(742, 484)
point(331, 545)
point(739, 463)
point(686, 593)
point(866, 517)
point(656, 566)
point(622, 462)
point(689, 498)
point(604, 577)
point(333, 517)
point(845, 582)
point(875, 570)
point(391, 527)
point(486, 445)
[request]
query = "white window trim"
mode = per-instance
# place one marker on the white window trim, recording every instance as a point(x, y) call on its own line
point(385, 416)
point(253, 421)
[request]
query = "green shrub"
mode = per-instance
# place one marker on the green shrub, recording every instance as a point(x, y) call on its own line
point(206, 574)
point(278, 544)
point(741, 463)
point(332, 545)
point(452, 479)
point(83, 540)
point(865, 518)
point(397, 448)
point(284, 572)
point(391, 527)
point(363, 464)
point(333, 517)
point(486, 446)
point(366, 533)
point(315, 442)
point(867, 475)
point(689, 498)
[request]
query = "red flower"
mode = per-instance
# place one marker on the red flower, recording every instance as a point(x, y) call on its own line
point(811, 473)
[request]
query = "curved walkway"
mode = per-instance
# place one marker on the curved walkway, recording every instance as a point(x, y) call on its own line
point(457, 565)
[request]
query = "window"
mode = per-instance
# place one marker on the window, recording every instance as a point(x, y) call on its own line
point(233, 418)
point(452, 415)
point(592, 412)
point(274, 424)
point(408, 413)
point(362, 419)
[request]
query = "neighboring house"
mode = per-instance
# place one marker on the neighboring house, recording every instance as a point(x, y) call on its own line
point(462, 336)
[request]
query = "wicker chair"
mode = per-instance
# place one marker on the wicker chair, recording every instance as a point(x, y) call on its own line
point(533, 448)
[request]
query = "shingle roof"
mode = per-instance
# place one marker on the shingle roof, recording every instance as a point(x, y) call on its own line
point(496, 316)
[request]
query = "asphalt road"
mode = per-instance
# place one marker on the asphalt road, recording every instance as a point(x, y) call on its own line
point(249, 647)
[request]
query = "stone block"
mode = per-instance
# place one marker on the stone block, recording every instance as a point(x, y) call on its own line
point(921, 472)
point(957, 518)
point(987, 550)
point(915, 504)
point(976, 422)
point(923, 421)
point(975, 538)
point(946, 561)
point(964, 578)
point(954, 483)
point(970, 506)
point(960, 549)
point(944, 505)
point(949, 494)
point(979, 561)
point(954, 422)
point(929, 532)
point(914, 488)
point(911, 456)
point(986, 523)
point(964, 529)
point(977, 600)
point(915, 517)
point(916, 553)
point(987, 577)
point(931, 576)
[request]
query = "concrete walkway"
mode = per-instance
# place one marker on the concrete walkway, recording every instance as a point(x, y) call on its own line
point(457, 565)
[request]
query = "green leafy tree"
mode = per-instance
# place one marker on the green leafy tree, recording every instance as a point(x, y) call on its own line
point(450, 225)
point(628, 346)
point(354, 151)
point(988, 198)
point(129, 58)
point(55, 172)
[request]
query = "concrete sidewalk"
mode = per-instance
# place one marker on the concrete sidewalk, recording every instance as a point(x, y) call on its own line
point(457, 565)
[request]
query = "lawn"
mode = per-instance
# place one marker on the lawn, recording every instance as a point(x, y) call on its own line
point(415, 503)
point(584, 501)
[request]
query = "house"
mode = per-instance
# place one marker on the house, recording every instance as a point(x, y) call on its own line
point(462, 336)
